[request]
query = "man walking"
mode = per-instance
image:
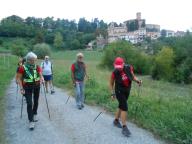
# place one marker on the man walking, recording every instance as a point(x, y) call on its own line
point(29, 78)
point(78, 73)
point(47, 68)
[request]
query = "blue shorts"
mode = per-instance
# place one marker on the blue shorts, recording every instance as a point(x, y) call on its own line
point(47, 77)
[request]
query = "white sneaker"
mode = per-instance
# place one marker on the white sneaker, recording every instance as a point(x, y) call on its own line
point(35, 118)
point(31, 125)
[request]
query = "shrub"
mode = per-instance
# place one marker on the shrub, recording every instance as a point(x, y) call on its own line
point(19, 48)
point(1, 41)
point(163, 64)
point(58, 41)
point(131, 55)
point(42, 50)
point(183, 72)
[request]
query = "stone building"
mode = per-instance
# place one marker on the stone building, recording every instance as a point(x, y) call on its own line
point(134, 30)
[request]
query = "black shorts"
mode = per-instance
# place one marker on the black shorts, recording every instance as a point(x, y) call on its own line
point(122, 97)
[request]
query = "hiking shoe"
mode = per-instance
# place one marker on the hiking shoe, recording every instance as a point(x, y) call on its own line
point(35, 118)
point(31, 125)
point(125, 131)
point(52, 91)
point(117, 123)
point(79, 107)
point(82, 106)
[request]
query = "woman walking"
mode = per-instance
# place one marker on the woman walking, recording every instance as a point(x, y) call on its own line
point(120, 86)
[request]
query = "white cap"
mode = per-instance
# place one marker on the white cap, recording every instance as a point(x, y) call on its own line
point(80, 55)
point(46, 57)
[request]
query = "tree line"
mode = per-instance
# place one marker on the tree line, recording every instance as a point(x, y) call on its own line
point(61, 33)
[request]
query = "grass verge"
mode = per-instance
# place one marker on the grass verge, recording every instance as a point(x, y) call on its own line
point(7, 71)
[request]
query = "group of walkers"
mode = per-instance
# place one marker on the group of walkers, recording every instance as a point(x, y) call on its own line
point(30, 76)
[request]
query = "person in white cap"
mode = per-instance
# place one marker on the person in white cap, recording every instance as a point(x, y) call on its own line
point(47, 68)
point(29, 78)
point(78, 73)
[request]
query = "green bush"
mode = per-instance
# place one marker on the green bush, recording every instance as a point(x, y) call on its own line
point(58, 41)
point(42, 50)
point(1, 41)
point(140, 61)
point(19, 48)
point(183, 72)
point(75, 44)
point(182, 58)
point(163, 64)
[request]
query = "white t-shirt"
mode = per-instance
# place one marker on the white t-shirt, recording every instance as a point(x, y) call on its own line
point(46, 68)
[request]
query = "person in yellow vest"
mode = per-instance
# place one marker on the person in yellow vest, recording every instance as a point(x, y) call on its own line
point(29, 78)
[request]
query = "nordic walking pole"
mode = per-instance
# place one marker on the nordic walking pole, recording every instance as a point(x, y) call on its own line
point(67, 100)
point(46, 100)
point(52, 83)
point(21, 107)
point(17, 91)
point(52, 86)
point(138, 96)
point(41, 89)
point(97, 116)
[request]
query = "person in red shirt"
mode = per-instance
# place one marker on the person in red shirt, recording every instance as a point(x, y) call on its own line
point(120, 86)
point(78, 74)
point(29, 77)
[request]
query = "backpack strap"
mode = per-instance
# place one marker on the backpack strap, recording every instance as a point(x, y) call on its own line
point(127, 69)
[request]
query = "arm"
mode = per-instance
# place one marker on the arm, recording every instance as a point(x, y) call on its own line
point(73, 77)
point(86, 72)
point(19, 81)
point(111, 86)
point(41, 77)
point(40, 74)
point(42, 65)
point(135, 78)
point(72, 74)
point(51, 68)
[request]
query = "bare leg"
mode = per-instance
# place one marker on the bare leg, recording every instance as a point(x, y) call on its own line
point(117, 114)
point(123, 117)
point(46, 86)
point(50, 86)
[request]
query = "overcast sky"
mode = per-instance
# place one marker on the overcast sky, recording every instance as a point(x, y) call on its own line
point(169, 14)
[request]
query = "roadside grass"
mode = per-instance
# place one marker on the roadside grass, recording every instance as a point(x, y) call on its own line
point(7, 73)
point(163, 108)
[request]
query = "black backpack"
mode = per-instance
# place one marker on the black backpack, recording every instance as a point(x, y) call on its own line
point(118, 78)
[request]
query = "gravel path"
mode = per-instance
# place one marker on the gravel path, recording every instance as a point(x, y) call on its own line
point(68, 125)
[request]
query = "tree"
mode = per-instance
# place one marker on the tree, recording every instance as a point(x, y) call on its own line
point(42, 50)
point(32, 21)
point(48, 23)
point(84, 26)
point(163, 64)
point(163, 33)
point(75, 44)
point(39, 38)
point(58, 41)
point(19, 48)
point(49, 37)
